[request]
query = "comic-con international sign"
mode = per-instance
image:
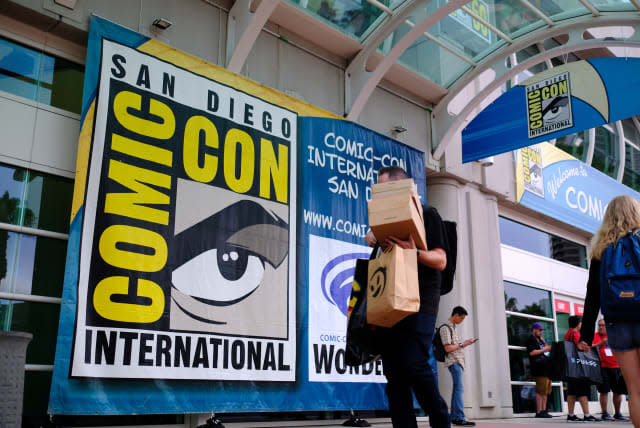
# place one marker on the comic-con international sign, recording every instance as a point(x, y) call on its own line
point(560, 186)
point(557, 102)
point(186, 258)
point(549, 105)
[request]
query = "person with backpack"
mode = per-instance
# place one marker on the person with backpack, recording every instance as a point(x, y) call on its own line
point(613, 286)
point(539, 350)
point(454, 361)
point(406, 345)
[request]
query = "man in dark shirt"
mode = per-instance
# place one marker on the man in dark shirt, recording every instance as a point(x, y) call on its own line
point(538, 351)
point(405, 346)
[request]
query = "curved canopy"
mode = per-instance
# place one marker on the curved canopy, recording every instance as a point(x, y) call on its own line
point(452, 47)
point(461, 38)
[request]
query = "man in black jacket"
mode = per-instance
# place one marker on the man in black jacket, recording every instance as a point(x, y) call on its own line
point(406, 345)
point(538, 351)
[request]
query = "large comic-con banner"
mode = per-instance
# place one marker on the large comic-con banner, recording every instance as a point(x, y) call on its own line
point(191, 284)
point(556, 184)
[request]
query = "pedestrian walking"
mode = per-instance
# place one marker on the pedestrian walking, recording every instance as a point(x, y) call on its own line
point(539, 350)
point(406, 345)
point(621, 221)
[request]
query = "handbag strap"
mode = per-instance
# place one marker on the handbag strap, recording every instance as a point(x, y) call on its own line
point(450, 331)
point(374, 252)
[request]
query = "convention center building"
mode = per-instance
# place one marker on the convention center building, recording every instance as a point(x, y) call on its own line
point(129, 129)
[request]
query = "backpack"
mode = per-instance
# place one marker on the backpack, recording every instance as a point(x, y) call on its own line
point(620, 279)
point(449, 271)
point(438, 347)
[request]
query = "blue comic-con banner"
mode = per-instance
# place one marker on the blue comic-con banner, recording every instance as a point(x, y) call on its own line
point(552, 182)
point(560, 101)
point(337, 165)
point(182, 292)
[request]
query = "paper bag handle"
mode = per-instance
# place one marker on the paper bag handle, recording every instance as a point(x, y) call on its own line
point(418, 207)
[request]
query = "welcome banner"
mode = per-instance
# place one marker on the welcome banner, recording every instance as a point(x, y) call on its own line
point(188, 281)
point(556, 184)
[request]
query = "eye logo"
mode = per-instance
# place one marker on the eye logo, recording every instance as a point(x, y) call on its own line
point(222, 260)
point(378, 282)
point(337, 277)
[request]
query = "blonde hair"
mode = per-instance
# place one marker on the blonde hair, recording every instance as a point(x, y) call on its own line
point(621, 216)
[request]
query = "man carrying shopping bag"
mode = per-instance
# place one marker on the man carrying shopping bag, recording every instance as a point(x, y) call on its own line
point(406, 345)
point(578, 387)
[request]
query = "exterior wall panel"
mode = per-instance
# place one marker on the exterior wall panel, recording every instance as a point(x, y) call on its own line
point(531, 269)
point(384, 111)
point(55, 141)
point(311, 79)
point(17, 121)
point(263, 62)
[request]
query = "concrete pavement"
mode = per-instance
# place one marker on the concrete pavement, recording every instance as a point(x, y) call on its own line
point(560, 420)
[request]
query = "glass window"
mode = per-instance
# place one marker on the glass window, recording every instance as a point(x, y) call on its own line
point(513, 18)
point(536, 241)
point(8, 251)
point(561, 9)
point(36, 399)
point(39, 319)
point(61, 83)
point(519, 365)
point(44, 204)
point(605, 152)
point(524, 399)
point(48, 202)
point(19, 69)
point(40, 77)
point(562, 321)
point(524, 237)
point(575, 144)
point(530, 51)
point(613, 5)
point(631, 176)
point(519, 330)
point(353, 17)
point(31, 264)
point(527, 300)
point(12, 181)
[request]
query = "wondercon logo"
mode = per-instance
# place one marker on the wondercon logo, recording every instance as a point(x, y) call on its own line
point(337, 277)
point(378, 282)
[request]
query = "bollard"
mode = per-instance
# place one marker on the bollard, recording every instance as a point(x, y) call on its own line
point(13, 352)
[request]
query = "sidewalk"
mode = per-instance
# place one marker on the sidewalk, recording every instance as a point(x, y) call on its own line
point(423, 423)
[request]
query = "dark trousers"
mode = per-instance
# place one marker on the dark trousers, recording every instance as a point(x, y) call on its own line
point(405, 359)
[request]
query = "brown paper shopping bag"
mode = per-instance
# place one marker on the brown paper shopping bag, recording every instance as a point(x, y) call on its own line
point(392, 287)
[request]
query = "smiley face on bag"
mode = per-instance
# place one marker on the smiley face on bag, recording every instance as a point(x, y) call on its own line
point(378, 282)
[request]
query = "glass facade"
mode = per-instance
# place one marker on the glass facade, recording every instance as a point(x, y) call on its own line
point(32, 271)
point(606, 149)
point(605, 152)
point(526, 305)
point(40, 77)
point(542, 243)
point(353, 17)
point(458, 40)
point(575, 144)
point(524, 399)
